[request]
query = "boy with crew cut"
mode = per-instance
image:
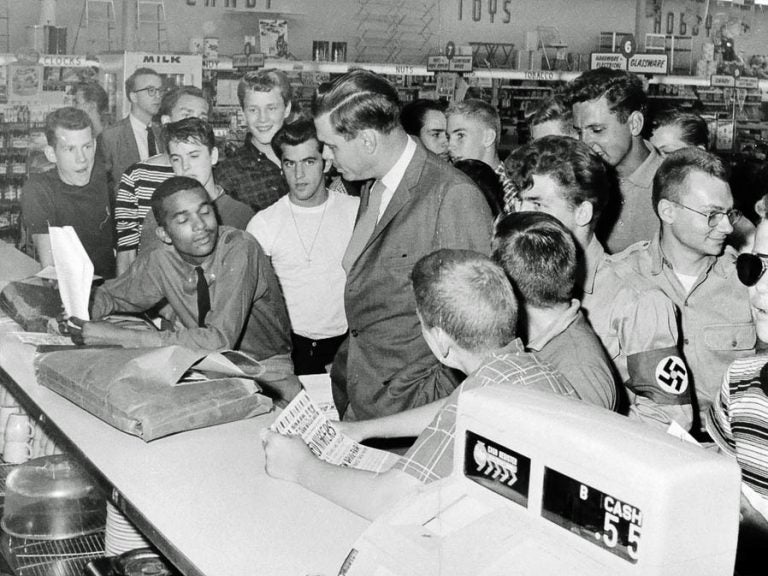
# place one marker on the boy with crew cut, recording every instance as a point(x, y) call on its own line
point(74, 194)
point(252, 175)
point(468, 312)
point(217, 280)
point(192, 152)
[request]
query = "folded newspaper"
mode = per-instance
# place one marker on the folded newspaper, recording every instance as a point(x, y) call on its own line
point(304, 418)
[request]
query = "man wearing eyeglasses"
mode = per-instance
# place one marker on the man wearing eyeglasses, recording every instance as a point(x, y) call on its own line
point(136, 137)
point(689, 260)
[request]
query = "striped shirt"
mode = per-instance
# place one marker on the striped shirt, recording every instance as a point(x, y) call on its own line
point(431, 456)
point(738, 420)
point(134, 194)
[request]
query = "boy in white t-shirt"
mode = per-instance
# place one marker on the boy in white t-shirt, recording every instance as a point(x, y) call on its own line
point(306, 234)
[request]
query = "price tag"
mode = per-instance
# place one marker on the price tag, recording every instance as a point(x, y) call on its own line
point(604, 520)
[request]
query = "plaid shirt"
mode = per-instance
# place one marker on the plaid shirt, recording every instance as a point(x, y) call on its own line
point(249, 176)
point(431, 456)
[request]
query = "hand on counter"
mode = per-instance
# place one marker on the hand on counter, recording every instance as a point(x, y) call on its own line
point(287, 457)
point(94, 333)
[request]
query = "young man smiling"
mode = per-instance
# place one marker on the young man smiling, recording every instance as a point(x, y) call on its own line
point(252, 175)
point(220, 285)
point(73, 194)
point(306, 234)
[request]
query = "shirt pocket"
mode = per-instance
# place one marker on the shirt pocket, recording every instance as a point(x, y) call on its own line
point(730, 337)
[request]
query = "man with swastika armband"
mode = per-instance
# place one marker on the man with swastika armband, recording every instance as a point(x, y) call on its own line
point(689, 261)
point(635, 321)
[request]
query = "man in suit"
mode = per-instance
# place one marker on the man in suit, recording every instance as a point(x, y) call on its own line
point(136, 137)
point(415, 205)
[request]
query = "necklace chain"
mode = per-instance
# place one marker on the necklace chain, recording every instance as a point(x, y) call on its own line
point(308, 253)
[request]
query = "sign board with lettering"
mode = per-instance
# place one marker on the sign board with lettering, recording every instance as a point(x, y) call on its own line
point(612, 60)
point(460, 64)
point(67, 60)
point(722, 81)
point(748, 83)
point(248, 60)
point(648, 64)
point(437, 63)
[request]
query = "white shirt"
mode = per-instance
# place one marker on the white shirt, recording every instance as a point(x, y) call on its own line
point(306, 246)
point(392, 178)
point(140, 135)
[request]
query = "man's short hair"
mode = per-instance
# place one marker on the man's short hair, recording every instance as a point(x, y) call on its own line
point(623, 90)
point(93, 92)
point(167, 189)
point(67, 118)
point(189, 130)
point(265, 81)
point(581, 174)
point(293, 134)
point(693, 128)
point(173, 95)
point(479, 111)
point(130, 82)
point(468, 296)
point(413, 114)
point(670, 177)
point(538, 253)
point(552, 109)
point(357, 101)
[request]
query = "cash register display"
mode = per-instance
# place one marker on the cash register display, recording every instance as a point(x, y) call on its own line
point(497, 468)
point(600, 518)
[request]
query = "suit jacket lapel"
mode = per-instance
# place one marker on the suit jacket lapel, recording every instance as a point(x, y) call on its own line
point(129, 138)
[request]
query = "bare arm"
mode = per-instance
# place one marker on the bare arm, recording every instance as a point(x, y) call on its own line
point(402, 424)
point(364, 493)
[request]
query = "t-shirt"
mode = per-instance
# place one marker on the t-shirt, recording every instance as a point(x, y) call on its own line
point(47, 201)
point(307, 246)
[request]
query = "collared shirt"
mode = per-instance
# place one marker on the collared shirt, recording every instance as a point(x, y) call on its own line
point(431, 456)
point(571, 346)
point(636, 219)
point(134, 196)
point(247, 308)
point(392, 178)
point(738, 420)
point(249, 176)
point(717, 326)
point(637, 325)
point(594, 256)
point(140, 134)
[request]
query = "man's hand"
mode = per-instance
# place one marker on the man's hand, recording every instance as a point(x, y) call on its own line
point(287, 457)
point(352, 429)
point(95, 333)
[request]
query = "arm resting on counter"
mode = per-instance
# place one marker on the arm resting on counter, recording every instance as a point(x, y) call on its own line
point(364, 493)
point(43, 249)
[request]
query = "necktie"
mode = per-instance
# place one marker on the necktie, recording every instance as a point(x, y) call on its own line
point(364, 227)
point(151, 145)
point(203, 298)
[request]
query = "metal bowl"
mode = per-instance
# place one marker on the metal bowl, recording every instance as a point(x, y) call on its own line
point(52, 498)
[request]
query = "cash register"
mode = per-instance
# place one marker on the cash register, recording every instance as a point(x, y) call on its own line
point(545, 485)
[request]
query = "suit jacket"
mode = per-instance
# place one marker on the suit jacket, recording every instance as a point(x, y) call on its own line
point(118, 146)
point(385, 365)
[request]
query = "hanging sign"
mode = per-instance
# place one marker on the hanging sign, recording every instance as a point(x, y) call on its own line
point(611, 60)
point(748, 83)
point(648, 64)
point(722, 81)
point(437, 63)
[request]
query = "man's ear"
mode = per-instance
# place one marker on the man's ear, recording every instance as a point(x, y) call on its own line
point(131, 97)
point(489, 138)
point(666, 210)
point(370, 139)
point(287, 110)
point(584, 213)
point(636, 122)
point(327, 166)
point(214, 156)
point(162, 235)
point(50, 153)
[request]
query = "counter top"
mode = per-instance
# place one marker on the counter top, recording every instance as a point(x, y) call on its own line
point(202, 497)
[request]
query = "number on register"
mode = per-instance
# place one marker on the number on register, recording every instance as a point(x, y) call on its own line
point(600, 518)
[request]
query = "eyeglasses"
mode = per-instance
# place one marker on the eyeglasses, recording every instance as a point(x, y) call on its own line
point(714, 218)
point(751, 267)
point(152, 91)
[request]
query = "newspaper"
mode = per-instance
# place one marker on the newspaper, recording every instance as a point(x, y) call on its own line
point(303, 418)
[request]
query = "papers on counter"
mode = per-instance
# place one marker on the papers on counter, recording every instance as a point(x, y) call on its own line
point(304, 418)
point(74, 270)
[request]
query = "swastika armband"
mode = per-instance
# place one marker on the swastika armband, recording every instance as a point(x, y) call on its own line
point(660, 375)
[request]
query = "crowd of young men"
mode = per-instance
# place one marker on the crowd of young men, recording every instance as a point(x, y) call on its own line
point(610, 279)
